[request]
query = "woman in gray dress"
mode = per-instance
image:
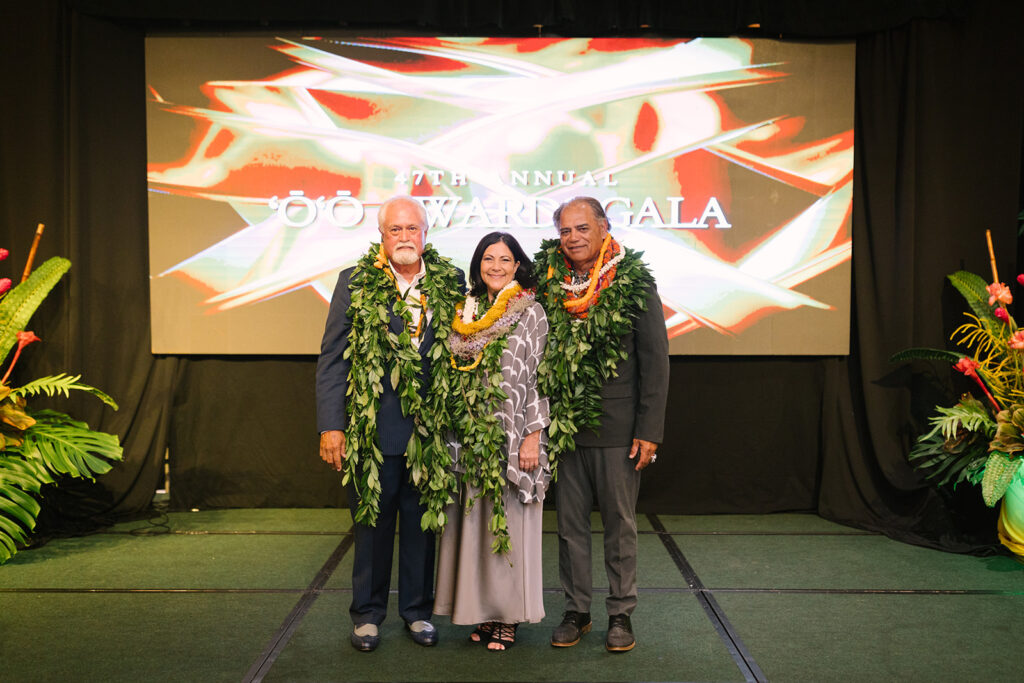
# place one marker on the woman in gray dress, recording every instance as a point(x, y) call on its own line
point(489, 566)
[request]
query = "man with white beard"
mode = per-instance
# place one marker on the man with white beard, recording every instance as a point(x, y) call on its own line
point(371, 381)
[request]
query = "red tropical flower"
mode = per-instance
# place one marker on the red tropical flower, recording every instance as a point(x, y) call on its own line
point(5, 284)
point(1017, 340)
point(1001, 314)
point(967, 366)
point(24, 339)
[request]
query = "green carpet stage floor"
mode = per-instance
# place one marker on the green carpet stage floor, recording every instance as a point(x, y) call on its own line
point(246, 595)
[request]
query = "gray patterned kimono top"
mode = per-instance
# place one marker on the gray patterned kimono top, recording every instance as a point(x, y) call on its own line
point(524, 411)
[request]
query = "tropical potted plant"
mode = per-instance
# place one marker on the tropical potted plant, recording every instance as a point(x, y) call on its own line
point(981, 440)
point(38, 447)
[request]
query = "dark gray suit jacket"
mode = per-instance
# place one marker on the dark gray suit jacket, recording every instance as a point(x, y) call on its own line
point(633, 402)
point(393, 428)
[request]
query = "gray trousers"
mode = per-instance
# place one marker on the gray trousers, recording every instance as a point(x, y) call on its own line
point(607, 476)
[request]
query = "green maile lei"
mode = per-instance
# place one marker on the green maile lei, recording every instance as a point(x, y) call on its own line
point(475, 406)
point(581, 354)
point(384, 356)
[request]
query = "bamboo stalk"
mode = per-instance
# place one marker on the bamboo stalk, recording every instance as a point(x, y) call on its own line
point(992, 256)
point(32, 253)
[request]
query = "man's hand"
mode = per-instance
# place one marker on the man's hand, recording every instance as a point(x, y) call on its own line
point(646, 450)
point(529, 452)
point(332, 448)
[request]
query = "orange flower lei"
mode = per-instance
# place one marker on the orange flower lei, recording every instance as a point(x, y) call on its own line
point(578, 307)
point(382, 264)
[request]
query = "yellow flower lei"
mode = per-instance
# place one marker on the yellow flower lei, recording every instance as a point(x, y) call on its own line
point(496, 311)
point(471, 366)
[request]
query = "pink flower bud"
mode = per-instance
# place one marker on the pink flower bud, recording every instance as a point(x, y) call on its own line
point(4, 254)
point(5, 284)
point(1020, 278)
point(1001, 314)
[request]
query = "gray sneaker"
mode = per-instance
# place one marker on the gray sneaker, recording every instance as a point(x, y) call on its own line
point(572, 628)
point(620, 634)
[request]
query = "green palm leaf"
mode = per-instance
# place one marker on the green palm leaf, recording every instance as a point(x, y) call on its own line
point(28, 475)
point(67, 446)
point(11, 534)
point(18, 510)
point(943, 463)
point(22, 301)
point(17, 504)
point(973, 289)
point(61, 384)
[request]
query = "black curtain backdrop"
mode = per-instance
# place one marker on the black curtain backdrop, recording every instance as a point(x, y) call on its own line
point(939, 139)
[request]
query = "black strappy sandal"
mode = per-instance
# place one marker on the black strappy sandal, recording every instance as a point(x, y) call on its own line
point(482, 633)
point(504, 635)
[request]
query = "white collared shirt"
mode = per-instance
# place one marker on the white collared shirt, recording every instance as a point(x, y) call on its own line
point(410, 292)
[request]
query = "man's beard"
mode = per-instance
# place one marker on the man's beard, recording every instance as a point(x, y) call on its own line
point(405, 254)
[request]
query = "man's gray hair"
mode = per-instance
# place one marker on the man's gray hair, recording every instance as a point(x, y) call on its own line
point(402, 198)
point(595, 209)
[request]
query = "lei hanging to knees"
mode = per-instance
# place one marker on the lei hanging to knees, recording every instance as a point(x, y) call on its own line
point(378, 355)
point(587, 322)
point(476, 398)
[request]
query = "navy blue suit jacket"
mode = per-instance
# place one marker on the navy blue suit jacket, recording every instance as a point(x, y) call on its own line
point(393, 428)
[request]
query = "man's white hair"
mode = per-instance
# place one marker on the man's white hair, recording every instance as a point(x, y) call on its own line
point(405, 199)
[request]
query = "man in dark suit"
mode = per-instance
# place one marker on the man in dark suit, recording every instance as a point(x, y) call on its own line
point(403, 226)
point(606, 463)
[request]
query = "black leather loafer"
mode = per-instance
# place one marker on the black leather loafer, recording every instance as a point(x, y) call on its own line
point(367, 643)
point(424, 634)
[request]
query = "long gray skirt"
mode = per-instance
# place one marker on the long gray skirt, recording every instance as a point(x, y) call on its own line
point(475, 585)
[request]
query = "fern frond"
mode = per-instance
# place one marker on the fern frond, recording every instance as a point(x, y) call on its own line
point(61, 384)
point(969, 414)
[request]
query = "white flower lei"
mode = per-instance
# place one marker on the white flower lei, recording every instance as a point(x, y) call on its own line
point(577, 287)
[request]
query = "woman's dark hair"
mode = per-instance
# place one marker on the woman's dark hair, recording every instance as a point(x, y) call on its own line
point(524, 274)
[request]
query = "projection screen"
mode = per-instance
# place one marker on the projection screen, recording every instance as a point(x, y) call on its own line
point(728, 162)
